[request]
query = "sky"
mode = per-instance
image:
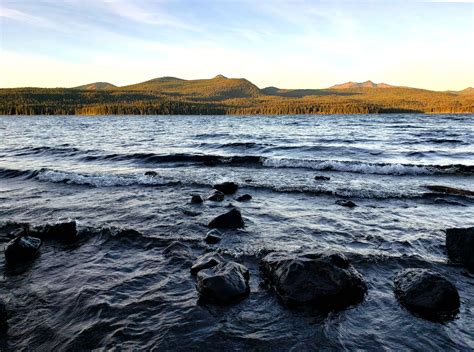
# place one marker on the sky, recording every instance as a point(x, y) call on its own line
point(288, 44)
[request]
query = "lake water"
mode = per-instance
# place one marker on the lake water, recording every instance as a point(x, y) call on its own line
point(120, 291)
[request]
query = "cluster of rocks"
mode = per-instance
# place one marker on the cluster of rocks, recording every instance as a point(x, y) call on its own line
point(25, 247)
point(220, 190)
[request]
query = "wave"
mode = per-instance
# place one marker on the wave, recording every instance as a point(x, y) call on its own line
point(395, 169)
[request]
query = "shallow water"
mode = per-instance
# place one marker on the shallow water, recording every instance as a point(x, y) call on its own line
point(119, 291)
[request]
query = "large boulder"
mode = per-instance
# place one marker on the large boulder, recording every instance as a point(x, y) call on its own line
point(3, 318)
point(322, 281)
point(224, 283)
point(427, 293)
point(216, 196)
point(60, 231)
point(22, 249)
point(227, 187)
point(206, 261)
point(460, 246)
point(230, 220)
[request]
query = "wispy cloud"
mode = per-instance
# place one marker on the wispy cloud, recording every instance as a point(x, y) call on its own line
point(20, 16)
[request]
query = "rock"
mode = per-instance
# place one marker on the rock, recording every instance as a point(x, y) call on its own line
point(346, 203)
point(460, 246)
point(323, 281)
point(206, 261)
point(22, 249)
point(151, 173)
point(321, 178)
point(230, 220)
point(3, 317)
point(191, 213)
point(213, 237)
point(177, 250)
point(224, 283)
point(61, 231)
point(427, 293)
point(448, 201)
point(18, 233)
point(227, 187)
point(248, 180)
point(450, 190)
point(244, 198)
point(196, 199)
point(216, 196)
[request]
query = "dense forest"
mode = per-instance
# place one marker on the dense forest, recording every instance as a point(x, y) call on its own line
point(221, 95)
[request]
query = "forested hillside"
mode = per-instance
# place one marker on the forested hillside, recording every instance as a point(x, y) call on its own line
point(221, 95)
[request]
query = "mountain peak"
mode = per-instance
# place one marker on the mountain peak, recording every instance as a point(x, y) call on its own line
point(220, 77)
point(366, 84)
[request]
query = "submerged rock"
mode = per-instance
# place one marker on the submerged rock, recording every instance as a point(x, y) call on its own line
point(61, 231)
point(323, 281)
point(196, 199)
point(177, 250)
point(230, 220)
point(244, 198)
point(151, 173)
point(3, 317)
point(460, 246)
point(224, 283)
point(216, 196)
point(206, 261)
point(227, 187)
point(450, 190)
point(22, 249)
point(321, 178)
point(346, 203)
point(213, 237)
point(427, 293)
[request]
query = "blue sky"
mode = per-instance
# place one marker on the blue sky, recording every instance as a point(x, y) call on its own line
point(289, 44)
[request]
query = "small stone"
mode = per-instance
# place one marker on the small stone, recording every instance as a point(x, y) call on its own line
point(244, 198)
point(227, 187)
point(22, 249)
point(206, 261)
point(224, 283)
point(213, 237)
point(216, 196)
point(231, 220)
point(151, 173)
point(321, 178)
point(346, 203)
point(196, 199)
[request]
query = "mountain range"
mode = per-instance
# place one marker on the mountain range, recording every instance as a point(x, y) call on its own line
point(222, 95)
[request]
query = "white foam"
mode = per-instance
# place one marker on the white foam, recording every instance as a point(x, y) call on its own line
point(98, 180)
point(348, 166)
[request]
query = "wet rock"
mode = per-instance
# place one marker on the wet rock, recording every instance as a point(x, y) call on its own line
point(322, 281)
point(244, 198)
point(196, 199)
point(450, 190)
point(224, 283)
point(321, 178)
point(61, 231)
point(248, 180)
point(213, 237)
point(3, 317)
point(151, 173)
point(230, 220)
point(460, 246)
point(216, 196)
point(22, 249)
point(448, 202)
point(206, 261)
point(427, 293)
point(18, 233)
point(177, 250)
point(227, 187)
point(346, 203)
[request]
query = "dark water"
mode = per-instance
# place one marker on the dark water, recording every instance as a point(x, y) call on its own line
point(121, 291)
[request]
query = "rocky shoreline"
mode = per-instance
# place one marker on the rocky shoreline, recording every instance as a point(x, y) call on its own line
point(315, 281)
